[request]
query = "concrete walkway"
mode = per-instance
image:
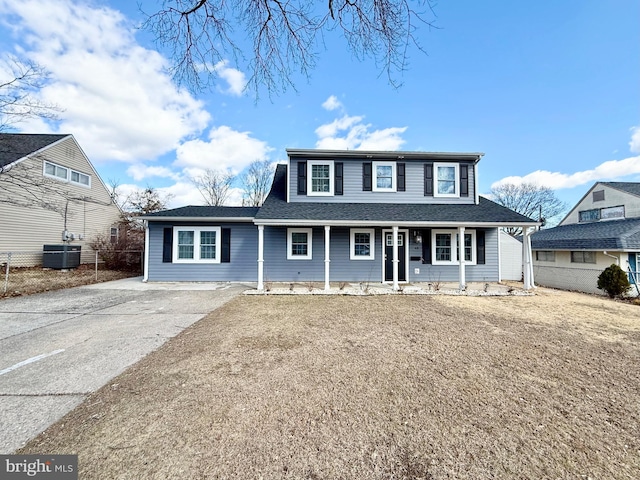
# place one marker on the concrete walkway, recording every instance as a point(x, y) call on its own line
point(58, 347)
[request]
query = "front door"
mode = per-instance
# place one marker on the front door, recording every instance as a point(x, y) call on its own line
point(388, 256)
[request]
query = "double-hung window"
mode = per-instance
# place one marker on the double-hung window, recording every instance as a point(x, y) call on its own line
point(320, 178)
point(196, 244)
point(447, 182)
point(583, 257)
point(384, 176)
point(362, 244)
point(299, 243)
point(445, 247)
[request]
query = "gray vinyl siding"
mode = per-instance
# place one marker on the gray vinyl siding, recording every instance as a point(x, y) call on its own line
point(242, 268)
point(414, 175)
point(278, 268)
point(489, 272)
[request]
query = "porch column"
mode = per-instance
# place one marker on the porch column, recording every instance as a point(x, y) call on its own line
point(145, 267)
point(396, 261)
point(461, 271)
point(527, 265)
point(327, 261)
point(260, 257)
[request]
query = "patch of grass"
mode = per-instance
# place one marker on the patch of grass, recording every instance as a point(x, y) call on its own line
point(401, 387)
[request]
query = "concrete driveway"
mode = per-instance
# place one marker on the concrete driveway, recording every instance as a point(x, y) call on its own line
point(58, 347)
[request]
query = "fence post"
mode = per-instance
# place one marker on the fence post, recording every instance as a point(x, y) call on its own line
point(6, 274)
point(96, 265)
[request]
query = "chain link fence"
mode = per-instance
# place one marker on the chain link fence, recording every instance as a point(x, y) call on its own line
point(576, 279)
point(28, 272)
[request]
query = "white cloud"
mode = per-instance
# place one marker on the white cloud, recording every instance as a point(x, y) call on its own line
point(226, 149)
point(634, 144)
point(140, 171)
point(332, 103)
point(349, 133)
point(117, 99)
point(235, 78)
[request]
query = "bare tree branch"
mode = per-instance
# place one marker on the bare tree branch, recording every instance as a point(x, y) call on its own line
point(285, 36)
point(256, 183)
point(530, 200)
point(19, 83)
point(214, 186)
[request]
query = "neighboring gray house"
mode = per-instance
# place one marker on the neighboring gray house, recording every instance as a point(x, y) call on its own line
point(603, 228)
point(352, 216)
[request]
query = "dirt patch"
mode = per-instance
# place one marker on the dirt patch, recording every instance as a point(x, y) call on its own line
point(400, 387)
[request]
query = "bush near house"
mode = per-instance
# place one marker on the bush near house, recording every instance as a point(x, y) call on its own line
point(613, 280)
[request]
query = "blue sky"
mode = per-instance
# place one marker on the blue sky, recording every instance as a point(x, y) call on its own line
point(549, 91)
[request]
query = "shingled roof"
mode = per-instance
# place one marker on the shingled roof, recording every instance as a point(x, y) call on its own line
point(276, 208)
point(202, 212)
point(628, 187)
point(15, 146)
point(604, 235)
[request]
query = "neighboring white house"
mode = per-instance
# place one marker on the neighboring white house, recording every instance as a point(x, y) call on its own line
point(49, 190)
point(602, 229)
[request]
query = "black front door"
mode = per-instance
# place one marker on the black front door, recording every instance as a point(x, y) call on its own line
point(388, 257)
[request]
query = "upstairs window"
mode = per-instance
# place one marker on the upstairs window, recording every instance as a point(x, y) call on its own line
point(598, 196)
point(384, 176)
point(65, 174)
point(589, 215)
point(447, 180)
point(321, 178)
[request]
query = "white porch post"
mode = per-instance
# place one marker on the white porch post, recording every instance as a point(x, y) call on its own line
point(145, 273)
point(396, 261)
point(461, 263)
point(527, 267)
point(327, 260)
point(260, 257)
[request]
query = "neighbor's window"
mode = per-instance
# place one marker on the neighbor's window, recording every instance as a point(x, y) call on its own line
point(299, 243)
point(445, 247)
point(612, 212)
point(589, 215)
point(384, 176)
point(113, 234)
point(196, 244)
point(63, 173)
point(320, 180)
point(362, 244)
point(583, 257)
point(545, 256)
point(447, 180)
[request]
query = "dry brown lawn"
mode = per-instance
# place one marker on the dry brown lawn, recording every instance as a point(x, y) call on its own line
point(384, 387)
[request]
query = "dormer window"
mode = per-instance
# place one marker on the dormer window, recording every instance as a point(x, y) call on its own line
point(384, 176)
point(320, 178)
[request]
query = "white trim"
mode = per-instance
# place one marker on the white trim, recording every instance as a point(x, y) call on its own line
point(384, 223)
point(374, 176)
point(327, 257)
point(198, 219)
point(372, 244)
point(310, 164)
point(456, 174)
point(309, 232)
point(455, 247)
point(196, 244)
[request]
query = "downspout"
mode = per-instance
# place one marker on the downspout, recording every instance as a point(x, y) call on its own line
point(617, 259)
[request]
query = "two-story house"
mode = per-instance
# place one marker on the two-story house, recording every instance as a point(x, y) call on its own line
point(344, 216)
point(49, 193)
point(603, 228)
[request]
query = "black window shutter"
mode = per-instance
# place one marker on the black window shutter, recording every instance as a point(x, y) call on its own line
point(225, 256)
point(426, 246)
point(428, 179)
point(366, 177)
point(401, 177)
point(302, 178)
point(167, 245)
point(337, 177)
point(480, 254)
point(464, 180)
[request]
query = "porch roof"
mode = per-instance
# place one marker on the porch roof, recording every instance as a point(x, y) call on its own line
point(620, 235)
point(276, 210)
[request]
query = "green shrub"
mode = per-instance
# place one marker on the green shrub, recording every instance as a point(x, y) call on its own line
point(614, 281)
